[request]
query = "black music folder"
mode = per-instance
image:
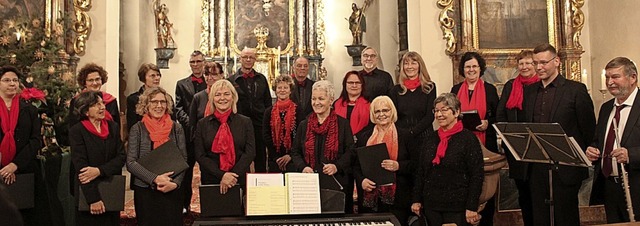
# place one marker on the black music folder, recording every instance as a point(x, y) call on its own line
point(165, 158)
point(112, 193)
point(21, 191)
point(370, 158)
point(331, 201)
point(471, 119)
point(214, 204)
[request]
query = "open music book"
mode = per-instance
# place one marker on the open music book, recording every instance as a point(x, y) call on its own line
point(278, 194)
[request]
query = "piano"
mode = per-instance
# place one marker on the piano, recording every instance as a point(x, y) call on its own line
point(370, 219)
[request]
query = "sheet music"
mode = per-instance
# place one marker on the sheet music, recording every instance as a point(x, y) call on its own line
point(267, 200)
point(304, 193)
point(264, 179)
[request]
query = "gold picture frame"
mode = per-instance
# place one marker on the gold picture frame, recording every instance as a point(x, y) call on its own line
point(280, 17)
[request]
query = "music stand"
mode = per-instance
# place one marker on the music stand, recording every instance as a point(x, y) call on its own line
point(542, 143)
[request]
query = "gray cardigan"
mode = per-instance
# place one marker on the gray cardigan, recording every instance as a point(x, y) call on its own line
point(140, 145)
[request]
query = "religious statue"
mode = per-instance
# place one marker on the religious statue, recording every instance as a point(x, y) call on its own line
point(163, 26)
point(357, 23)
point(47, 131)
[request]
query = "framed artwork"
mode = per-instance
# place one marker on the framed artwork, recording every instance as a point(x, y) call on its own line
point(245, 15)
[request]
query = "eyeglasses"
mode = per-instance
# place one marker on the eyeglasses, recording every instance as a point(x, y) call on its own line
point(442, 111)
point(371, 56)
point(471, 67)
point(384, 111)
point(95, 80)
point(196, 61)
point(8, 80)
point(354, 83)
point(158, 102)
point(526, 63)
point(543, 63)
point(248, 57)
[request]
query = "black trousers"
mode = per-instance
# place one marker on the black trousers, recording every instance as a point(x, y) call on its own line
point(188, 178)
point(615, 204)
point(565, 197)
point(524, 200)
point(260, 161)
point(156, 208)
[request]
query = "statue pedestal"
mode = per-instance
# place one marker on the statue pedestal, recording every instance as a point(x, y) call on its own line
point(163, 55)
point(355, 51)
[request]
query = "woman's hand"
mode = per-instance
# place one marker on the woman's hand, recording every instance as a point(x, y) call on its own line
point(472, 217)
point(368, 185)
point(483, 126)
point(416, 207)
point(229, 180)
point(329, 169)
point(88, 174)
point(164, 183)
point(307, 170)
point(8, 173)
point(390, 165)
point(97, 208)
point(283, 161)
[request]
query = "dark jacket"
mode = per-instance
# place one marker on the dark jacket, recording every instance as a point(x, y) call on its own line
point(132, 101)
point(456, 183)
point(491, 94)
point(417, 118)
point(253, 97)
point(243, 140)
point(303, 101)
point(196, 111)
point(89, 150)
point(510, 115)
point(27, 138)
point(140, 144)
point(184, 95)
point(72, 118)
point(344, 155)
point(377, 83)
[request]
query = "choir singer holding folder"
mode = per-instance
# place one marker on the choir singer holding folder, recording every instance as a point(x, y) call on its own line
point(157, 195)
point(394, 198)
point(97, 154)
point(224, 141)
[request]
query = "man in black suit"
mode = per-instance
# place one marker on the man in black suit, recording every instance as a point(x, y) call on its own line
point(376, 82)
point(186, 88)
point(301, 93)
point(556, 99)
point(254, 97)
point(618, 141)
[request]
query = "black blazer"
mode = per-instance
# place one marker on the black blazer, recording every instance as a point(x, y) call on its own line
point(305, 103)
point(184, 95)
point(89, 150)
point(72, 119)
point(196, 111)
point(243, 140)
point(630, 141)
point(573, 109)
point(491, 94)
point(252, 106)
point(343, 158)
point(27, 138)
point(417, 118)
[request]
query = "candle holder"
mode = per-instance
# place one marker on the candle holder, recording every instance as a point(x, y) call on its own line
point(604, 93)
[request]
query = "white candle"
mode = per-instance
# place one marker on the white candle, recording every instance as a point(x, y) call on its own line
point(603, 79)
point(583, 77)
point(288, 66)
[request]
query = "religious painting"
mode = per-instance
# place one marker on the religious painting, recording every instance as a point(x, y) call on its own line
point(511, 24)
point(248, 14)
point(13, 9)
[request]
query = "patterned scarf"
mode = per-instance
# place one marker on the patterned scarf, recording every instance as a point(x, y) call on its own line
point(328, 128)
point(282, 129)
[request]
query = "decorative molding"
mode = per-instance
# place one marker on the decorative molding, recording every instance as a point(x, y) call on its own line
point(82, 25)
point(320, 29)
point(447, 24)
point(577, 22)
point(205, 45)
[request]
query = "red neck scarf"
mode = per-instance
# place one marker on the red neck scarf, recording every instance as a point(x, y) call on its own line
point(477, 102)
point(282, 133)
point(104, 128)
point(159, 129)
point(359, 116)
point(412, 84)
point(390, 139)
point(209, 106)
point(106, 99)
point(329, 128)
point(515, 98)
point(223, 142)
point(196, 79)
point(8, 122)
point(444, 141)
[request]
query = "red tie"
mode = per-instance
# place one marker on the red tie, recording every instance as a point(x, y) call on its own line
point(608, 144)
point(196, 79)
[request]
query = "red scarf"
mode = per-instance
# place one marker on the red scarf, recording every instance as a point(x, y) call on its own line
point(104, 128)
point(444, 140)
point(412, 84)
point(209, 106)
point(159, 129)
point(196, 79)
point(386, 193)
point(477, 102)
point(359, 116)
point(328, 128)
point(106, 99)
point(9, 121)
point(515, 98)
point(249, 74)
point(282, 135)
point(223, 142)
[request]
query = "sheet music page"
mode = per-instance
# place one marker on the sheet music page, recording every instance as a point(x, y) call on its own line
point(267, 200)
point(304, 193)
point(265, 179)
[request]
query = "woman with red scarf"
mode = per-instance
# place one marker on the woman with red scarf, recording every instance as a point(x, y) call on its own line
point(448, 181)
point(158, 197)
point(393, 198)
point(324, 142)
point(510, 110)
point(351, 104)
point(413, 96)
point(20, 137)
point(279, 126)
point(91, 77)
point(224, 141)
point(97, 153)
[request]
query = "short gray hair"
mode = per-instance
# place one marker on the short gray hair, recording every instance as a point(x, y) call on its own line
point(449, 100)
point(326, 86)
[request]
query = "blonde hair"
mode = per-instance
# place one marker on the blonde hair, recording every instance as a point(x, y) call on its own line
point(143, 103)
point(382, 101)
point(221, 84)
point(425, 79)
